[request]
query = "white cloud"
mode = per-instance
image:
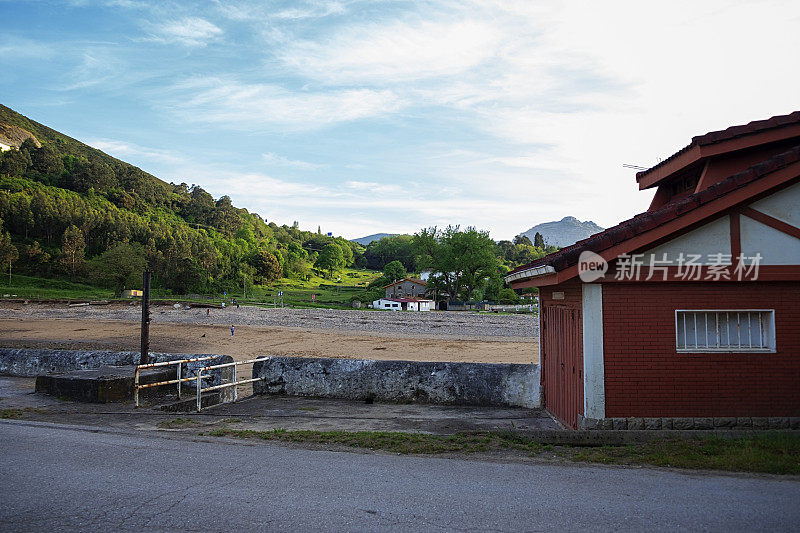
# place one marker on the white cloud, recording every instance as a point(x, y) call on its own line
point(373, 187)
point(97, 68)
point(122, 149)
point(264, 106)
point(248, 11)
point(403, 51)
point(23, 49)
point(279, 160)
point(188, 31)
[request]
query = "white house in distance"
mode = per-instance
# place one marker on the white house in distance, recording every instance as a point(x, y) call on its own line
point(403, 304)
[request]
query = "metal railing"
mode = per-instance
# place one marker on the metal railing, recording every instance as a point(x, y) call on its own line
point(233, 382)
point(178, 380)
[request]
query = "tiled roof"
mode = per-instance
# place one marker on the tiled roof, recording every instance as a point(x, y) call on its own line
point(729, 133)
point(644, 222)
point(412, 280)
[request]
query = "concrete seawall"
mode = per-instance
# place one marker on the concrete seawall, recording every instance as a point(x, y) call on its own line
point(32, 362)
point(401, 381)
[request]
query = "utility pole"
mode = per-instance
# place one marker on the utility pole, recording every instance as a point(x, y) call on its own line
point(144, 359)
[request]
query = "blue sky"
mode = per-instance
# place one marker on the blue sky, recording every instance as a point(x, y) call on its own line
point(367, 116)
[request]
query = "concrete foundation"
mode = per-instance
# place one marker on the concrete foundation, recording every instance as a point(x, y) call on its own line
point(690, 424)
point(105, 376)
point(100, 385)
point(400, 381)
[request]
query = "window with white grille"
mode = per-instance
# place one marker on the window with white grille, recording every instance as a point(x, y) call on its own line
point(725, 330)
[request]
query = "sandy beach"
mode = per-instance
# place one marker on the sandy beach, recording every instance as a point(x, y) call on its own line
point(436, 336)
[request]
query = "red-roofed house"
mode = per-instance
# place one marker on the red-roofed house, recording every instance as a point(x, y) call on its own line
point(688, 315)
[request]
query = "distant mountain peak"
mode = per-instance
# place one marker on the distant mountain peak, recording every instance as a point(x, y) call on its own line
point(364, 241)
point(564, 232)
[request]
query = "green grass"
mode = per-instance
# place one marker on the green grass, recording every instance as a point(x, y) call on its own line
point(297, 293)
point(177, 423)
point(773, 453)
point(14, 414)
point(409, 443)
point(30, 287)
point(11, 414)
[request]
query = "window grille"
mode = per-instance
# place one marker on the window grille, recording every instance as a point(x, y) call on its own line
point(725, 330)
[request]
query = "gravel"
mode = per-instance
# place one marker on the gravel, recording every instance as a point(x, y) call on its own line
point(449, 324)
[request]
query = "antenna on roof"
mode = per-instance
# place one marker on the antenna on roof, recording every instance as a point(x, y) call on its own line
point(634, 167)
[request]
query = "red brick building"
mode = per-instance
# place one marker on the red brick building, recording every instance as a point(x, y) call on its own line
point(687, 315)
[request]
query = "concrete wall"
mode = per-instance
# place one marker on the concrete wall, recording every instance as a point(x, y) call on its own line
point(401, 381)
point(31, 362)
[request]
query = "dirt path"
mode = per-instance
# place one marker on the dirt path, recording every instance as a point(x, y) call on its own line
point(253, 341)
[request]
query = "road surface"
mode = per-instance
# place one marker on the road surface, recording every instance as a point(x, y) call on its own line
point(68, 479)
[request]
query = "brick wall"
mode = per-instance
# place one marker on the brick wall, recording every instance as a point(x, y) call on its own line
point(573, 293)
point(646, 377)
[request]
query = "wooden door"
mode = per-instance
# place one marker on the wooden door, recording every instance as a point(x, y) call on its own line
point(562, 363)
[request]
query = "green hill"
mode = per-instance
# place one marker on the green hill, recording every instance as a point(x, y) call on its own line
point(70, 211)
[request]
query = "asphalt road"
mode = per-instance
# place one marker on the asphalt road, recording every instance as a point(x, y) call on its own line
point(66, 479)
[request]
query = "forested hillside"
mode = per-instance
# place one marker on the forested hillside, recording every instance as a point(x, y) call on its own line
point(69, 210)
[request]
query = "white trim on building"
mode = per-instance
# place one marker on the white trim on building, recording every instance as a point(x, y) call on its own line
point(402, 304)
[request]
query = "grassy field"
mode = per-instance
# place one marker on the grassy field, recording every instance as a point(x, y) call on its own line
point(336, 293)
point(43, 288)
point(773, 453)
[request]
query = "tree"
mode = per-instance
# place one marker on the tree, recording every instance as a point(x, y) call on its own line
point(459, 259)
point(400, 248)
point(14, 162)
point(508, 296)
point(267, 267)
point(394, 271)
point(523, 239)
point(45, 161)
point(121, 265)
point(330, 258)
point(473, 252)
point(91, 174)
point(347, 251)
point(538, 240)
point(72, 249)
point(8, 252)
point(246, 275)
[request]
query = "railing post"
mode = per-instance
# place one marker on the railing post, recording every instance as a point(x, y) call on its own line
point(199, 387)
point(136, 387)
point(145, 355)
point(235, 394)
point(179, 380)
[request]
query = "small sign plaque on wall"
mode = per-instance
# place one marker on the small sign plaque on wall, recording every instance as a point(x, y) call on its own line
point(558, 295)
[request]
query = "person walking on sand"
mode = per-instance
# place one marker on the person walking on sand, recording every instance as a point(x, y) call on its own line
point(208, 312)
point(232, 327)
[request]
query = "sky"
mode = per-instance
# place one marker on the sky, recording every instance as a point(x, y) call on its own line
point(363, 116)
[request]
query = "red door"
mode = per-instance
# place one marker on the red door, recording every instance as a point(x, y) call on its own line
point(562, 363)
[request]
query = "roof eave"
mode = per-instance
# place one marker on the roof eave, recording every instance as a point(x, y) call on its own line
point(534, 272)
point(701, 149)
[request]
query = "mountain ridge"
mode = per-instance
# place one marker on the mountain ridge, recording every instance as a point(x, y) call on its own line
point(363, 241)
point(564, 232)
